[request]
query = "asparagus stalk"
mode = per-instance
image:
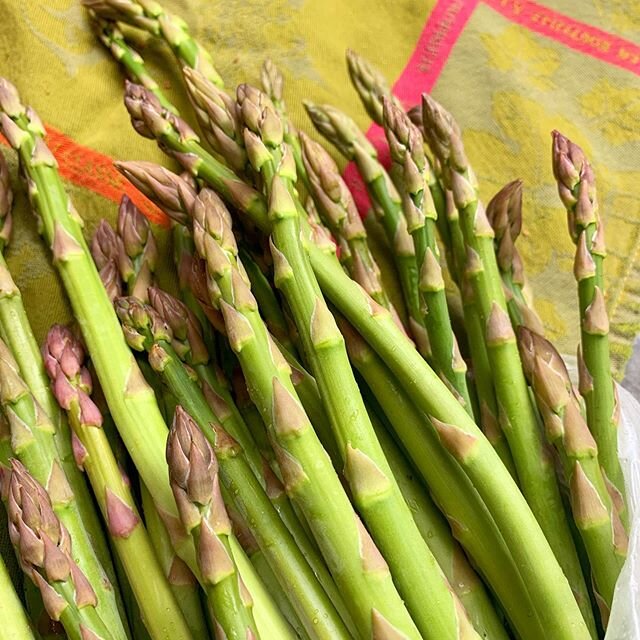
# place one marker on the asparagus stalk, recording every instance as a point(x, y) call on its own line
point(71, 382)
point(371, 86)
point(407, 152)
point(181, 580)
point(474, 328)
point(272, 85)
point(252, 549)
point(338, 211)
point(15, 625)
point(145, 330)
point(140, 247)
point(32, 443)
point(504, 213)
point(518, 419)
point(357, 566)
point(113, 39)
point(267, 301)
point(44, 550)
point(437, 534)
point(216, 113)
point(344, 134)
point(594, 513)
point(376, 495)
point(193, 472)
point(153, 18)
point(16, 332)
point(577, 189)
point(531, 550)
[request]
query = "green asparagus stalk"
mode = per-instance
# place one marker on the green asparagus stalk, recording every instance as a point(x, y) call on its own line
point(356, 564)
point(145, 330)
point(474, 328)
point(437, 534)
point(594, 513)
point(216, 114)
point(371, 86)
point(504, 213)
point(181, 580)
point(337, 209)
point(140, 247)
point(545, 578)
point(272, 84)
point(151, 17)
point(344, 134)
point(71, 383)
point(15, 625)
point(407, 152)
point(44, 550)
point(113, 39)
point(518, 419)
point(33, 444)
point(577, 189)
point(374, 490)
point(470, 520)
point(15, 330)
point(270, 306)
point(193, 472)
point(183, 257)
point(252, 549)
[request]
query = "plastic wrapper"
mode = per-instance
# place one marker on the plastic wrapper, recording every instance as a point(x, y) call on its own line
point(624, 623)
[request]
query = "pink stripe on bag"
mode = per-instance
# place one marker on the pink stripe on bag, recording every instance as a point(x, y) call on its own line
point(573, 34)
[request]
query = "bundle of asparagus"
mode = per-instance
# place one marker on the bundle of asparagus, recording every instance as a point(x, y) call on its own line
point(338, 465)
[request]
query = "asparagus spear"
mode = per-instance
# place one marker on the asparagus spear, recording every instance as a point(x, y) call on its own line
point(180, 578)
point(71, 383)
point(216, 113)
point(371, 86)
point(15, 330)
point(193, 472)
point(15, 625)
point(594, 513)
point(577, 189)
point(153, 18)
point(111, 37)
point(504, 213)
point(356, 565)
point(374, 490)
point(407, 152)
point(518, 419)
point(145, 330)
point(544, 576)
point(32, 443)
point(338, 212)
point(44, 551)
point(344, 134)
point(140, 247)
